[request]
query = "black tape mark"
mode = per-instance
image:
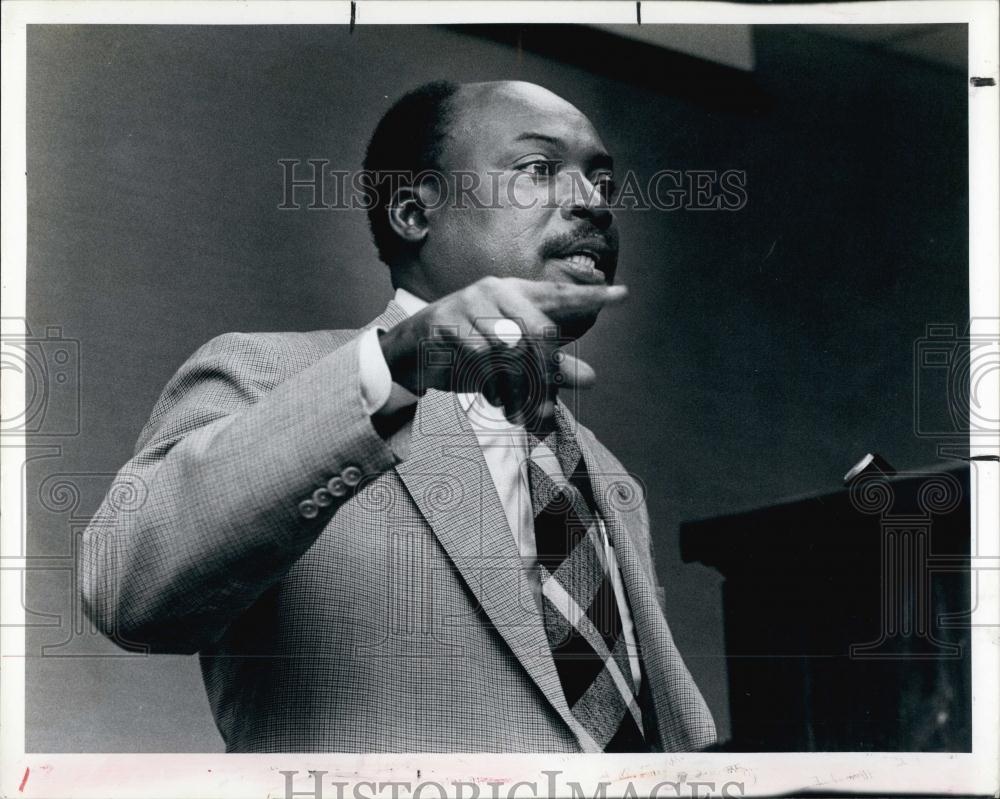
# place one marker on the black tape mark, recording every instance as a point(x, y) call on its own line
point(354, 12)
point(638, 12)
point(977, 82)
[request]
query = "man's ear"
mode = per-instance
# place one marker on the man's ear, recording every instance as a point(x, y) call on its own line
point(408, 214)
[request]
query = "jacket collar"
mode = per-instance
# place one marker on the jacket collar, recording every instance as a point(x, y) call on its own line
point(393, 314)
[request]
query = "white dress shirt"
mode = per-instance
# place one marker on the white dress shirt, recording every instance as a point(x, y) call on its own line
point(505, 450)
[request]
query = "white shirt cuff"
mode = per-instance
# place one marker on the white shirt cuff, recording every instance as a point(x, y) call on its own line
point(378, 393)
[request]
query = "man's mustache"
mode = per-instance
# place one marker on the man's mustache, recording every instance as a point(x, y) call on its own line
point(601, 239)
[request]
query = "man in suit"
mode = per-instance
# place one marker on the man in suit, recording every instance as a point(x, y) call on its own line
point(398, 538)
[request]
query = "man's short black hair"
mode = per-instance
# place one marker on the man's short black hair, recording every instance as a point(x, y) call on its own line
point(409, 138)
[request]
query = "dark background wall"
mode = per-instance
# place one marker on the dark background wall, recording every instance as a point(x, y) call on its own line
point(761, 354)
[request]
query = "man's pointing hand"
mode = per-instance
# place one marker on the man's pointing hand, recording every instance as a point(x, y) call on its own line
point(456, 343)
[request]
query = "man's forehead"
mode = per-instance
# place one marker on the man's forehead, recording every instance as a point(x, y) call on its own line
point(506, 110)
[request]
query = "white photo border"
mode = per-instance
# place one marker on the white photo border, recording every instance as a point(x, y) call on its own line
point(231, 775)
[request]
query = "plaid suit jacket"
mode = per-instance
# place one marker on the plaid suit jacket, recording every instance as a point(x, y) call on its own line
point(396, 620)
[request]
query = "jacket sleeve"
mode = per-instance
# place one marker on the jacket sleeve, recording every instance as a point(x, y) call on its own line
point(206, 516)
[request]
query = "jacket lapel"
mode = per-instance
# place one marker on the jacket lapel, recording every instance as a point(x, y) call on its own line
point(448, 479)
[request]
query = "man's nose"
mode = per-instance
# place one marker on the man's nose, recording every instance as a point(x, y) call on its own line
point(587, 201)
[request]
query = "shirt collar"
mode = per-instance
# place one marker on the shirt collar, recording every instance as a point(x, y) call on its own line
point(483, 416)
point(410, 303)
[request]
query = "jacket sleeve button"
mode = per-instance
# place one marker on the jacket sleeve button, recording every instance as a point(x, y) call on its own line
point(308, 509)
point(336, 486)
point(351, 475)
point(322, 497)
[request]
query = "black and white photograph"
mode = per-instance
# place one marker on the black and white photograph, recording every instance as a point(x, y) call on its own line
point(500, 399)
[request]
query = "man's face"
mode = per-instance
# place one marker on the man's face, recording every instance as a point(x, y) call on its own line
point(539, 207)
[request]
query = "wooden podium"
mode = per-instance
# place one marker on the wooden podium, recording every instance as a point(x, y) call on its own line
point(846, 616)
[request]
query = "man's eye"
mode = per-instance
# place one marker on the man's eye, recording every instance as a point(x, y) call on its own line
point(606, 186)
point(540, 168)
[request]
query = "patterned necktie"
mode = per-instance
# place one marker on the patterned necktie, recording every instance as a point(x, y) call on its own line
point(582, 619)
